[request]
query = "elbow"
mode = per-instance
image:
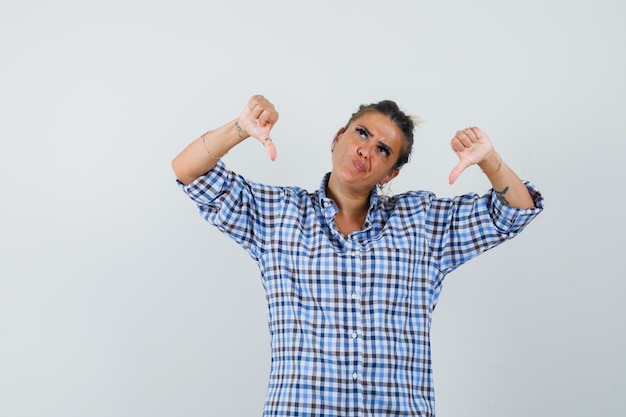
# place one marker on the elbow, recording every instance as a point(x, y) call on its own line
point(179, 172)
point(175, 167)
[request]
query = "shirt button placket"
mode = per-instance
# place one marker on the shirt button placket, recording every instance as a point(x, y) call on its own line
point(357, 320)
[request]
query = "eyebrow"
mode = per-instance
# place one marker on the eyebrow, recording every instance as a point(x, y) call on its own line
point(387, 147)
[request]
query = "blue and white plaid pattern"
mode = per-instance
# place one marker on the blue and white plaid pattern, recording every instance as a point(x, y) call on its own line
point(349, 317)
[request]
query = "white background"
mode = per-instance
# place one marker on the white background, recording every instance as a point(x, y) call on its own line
point(117, 300)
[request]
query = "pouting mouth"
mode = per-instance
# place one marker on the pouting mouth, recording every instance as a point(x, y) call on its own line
point(358, 165)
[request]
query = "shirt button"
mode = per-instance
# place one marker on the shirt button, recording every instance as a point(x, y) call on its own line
point(354, 296)
point(354, 335)
point(355, 375)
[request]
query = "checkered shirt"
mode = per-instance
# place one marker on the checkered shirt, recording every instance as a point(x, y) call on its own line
point(349, 317)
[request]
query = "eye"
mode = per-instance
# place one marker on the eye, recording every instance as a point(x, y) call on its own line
point(384, 150)
point(361, 132)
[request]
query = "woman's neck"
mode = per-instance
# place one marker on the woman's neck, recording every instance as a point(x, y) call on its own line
point(352, 207)
point(349, 200)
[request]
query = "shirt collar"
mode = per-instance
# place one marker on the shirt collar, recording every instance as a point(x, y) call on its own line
point(329, 207)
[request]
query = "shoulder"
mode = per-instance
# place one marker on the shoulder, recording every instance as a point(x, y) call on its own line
point(417, 198)
point(419, 201)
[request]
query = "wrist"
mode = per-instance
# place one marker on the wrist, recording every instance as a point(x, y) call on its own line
point(242, 134)
point(491, 163)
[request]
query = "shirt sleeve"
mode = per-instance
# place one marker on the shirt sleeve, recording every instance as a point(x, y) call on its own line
point(244, 210)
point(466, 226)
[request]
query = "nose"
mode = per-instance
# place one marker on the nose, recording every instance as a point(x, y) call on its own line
point(363, 152)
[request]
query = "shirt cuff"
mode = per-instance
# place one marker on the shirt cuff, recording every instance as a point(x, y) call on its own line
point(512, 220)
point(204, 189)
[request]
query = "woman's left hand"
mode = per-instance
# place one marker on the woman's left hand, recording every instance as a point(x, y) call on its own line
point(472, 146)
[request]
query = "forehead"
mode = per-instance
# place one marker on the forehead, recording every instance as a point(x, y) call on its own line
point(381, 127)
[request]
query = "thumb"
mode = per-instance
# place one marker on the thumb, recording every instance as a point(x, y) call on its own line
point(270, 148)
point(456, 171)
point(266, 140)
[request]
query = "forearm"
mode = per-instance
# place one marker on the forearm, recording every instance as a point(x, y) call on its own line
point(202, 154)
point(509, 188)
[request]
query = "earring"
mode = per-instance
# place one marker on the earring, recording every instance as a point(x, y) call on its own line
point(383, 188)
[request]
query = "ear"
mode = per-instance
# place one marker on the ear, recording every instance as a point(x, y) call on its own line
point(392, 174)
point(338, 135)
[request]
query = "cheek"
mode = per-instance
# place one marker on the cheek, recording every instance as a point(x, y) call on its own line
point(341, 146)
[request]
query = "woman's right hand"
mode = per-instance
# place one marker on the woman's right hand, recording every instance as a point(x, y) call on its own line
point(257, 120)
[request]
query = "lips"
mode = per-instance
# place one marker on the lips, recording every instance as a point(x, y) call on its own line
point(358, 166)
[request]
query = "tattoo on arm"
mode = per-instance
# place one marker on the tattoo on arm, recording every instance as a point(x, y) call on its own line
point(239, 130)
point(501, 197)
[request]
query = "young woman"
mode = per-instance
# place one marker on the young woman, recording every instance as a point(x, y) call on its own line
point(351, 276)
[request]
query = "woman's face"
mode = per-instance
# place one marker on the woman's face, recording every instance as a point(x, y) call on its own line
point(366, 152)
